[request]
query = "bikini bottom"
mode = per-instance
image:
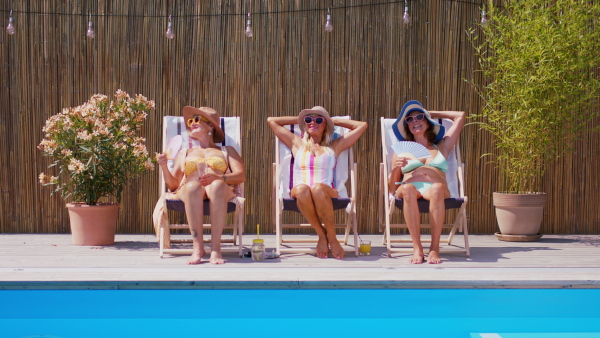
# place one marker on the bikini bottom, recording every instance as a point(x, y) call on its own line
point(422, 187)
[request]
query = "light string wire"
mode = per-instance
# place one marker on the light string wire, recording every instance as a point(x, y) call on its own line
point(476, 2)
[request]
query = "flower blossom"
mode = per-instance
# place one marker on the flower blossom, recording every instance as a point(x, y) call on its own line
point(76, 166)
point(84, 135)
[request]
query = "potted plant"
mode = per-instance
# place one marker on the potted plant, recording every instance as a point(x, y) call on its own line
point(96, 148)
point(540, 62)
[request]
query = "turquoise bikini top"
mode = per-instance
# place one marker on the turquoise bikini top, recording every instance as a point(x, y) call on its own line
point(439, 162)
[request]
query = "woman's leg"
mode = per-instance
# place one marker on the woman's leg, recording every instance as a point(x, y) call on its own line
point(437, 212)
point(306, 205)
point(410, 194)
point(322, 195)
point(218, 193)
point(192, 194)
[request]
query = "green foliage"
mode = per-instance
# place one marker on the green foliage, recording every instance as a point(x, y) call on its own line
point(540, 64)
point(96, 147)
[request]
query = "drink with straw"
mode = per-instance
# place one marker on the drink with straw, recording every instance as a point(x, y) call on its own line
point(258, 247)
point(365, 247)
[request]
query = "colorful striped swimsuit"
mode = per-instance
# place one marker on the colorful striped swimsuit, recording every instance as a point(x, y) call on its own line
point(310, 169)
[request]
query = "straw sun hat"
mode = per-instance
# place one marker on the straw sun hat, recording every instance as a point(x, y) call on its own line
point(317, 110)
point(209, 113)
point(400, 127)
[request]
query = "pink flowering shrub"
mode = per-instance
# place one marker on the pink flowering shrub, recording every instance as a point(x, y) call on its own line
point(96, 148)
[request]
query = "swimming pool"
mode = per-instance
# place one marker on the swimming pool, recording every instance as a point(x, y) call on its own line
point(297, 312)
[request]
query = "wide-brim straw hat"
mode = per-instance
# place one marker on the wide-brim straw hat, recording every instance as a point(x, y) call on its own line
point(400, 126)
point(210, 114)
point(317, 110)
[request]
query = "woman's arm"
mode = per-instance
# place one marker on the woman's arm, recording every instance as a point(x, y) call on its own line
point(452, 134)
point(357, 128)
point(395, 175)
point(172, 180)
point(287, 137)
point(238, 170)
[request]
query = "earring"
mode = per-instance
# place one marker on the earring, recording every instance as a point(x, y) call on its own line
point(210, 133)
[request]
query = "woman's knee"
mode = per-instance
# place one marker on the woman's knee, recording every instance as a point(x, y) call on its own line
point(192, 188)
point(216, 188)
point(407, 192)
point(437, 191)
point(301, 191)
point(320, 190)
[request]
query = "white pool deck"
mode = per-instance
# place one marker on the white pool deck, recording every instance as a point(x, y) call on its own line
point(50, 261)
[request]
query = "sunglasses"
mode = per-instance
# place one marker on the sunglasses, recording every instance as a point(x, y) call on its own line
point(317, 120)
point(196, 120)
point(414, 118)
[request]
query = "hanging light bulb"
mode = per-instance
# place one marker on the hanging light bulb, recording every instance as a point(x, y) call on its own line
point(10, 29)
point(90, 31)
point(406, 17)
point(248, 31)
point(169, 34)
point(484, 19)
point(328, 25)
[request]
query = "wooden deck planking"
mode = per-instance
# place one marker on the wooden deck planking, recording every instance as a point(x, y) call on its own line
point(50, 261)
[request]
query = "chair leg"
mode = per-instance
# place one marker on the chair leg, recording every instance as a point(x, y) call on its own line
point(161, 242)
point(466, 233)
point(347, 231)
point(239, 230)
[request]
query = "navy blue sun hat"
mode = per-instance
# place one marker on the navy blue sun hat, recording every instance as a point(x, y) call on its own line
point(400, 125)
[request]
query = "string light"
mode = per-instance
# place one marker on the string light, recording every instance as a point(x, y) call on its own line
point(90, 31)
point(484, 19)
point(10, 29)
point(328, 25)
point(169, 34)
point(248, 31)
point(406, 16)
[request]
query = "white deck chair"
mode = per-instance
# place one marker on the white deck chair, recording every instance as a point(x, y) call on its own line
point(282, 181)
point(457, 200)
point(173, 126)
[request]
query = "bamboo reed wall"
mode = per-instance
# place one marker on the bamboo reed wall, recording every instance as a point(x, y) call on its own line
point(367, 68)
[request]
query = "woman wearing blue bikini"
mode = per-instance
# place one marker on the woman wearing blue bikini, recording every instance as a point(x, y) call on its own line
point(412, 179)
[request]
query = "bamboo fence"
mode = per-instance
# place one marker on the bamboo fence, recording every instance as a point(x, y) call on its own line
point(368, 67)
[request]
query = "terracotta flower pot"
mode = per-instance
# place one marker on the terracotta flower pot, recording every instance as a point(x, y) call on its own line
point(519, 216)
point(93, 224)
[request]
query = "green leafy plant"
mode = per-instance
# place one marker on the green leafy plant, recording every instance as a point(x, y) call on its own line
point(96, 147)
point(540, 62)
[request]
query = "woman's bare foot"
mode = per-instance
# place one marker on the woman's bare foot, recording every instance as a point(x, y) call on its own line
point(216, 258)
point(417, 257)
point(433, 257)
point(322, 248)
point(336, 248)
point(196, 257)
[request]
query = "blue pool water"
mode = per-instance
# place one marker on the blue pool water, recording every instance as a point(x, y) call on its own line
point(299, 313)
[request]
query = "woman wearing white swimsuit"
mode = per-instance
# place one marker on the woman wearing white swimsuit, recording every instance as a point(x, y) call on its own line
point(315, 158)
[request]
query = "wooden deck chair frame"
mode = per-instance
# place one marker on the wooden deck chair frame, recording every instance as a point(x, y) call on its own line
point(281, 201)
point(172, 126)
point(387, 203)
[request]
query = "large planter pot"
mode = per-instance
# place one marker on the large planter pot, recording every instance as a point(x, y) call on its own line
point(93, 224)
point(519, 216)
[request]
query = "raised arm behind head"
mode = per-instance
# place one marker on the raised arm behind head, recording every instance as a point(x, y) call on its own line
point(357, 128)
point(453, 133)
point(278, 123)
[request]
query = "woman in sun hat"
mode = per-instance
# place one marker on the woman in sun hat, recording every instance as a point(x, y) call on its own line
point(411, 179)
point(206, 171)
point(315, 156)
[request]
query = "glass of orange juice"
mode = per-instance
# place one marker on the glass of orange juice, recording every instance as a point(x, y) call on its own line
point(365, 248)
